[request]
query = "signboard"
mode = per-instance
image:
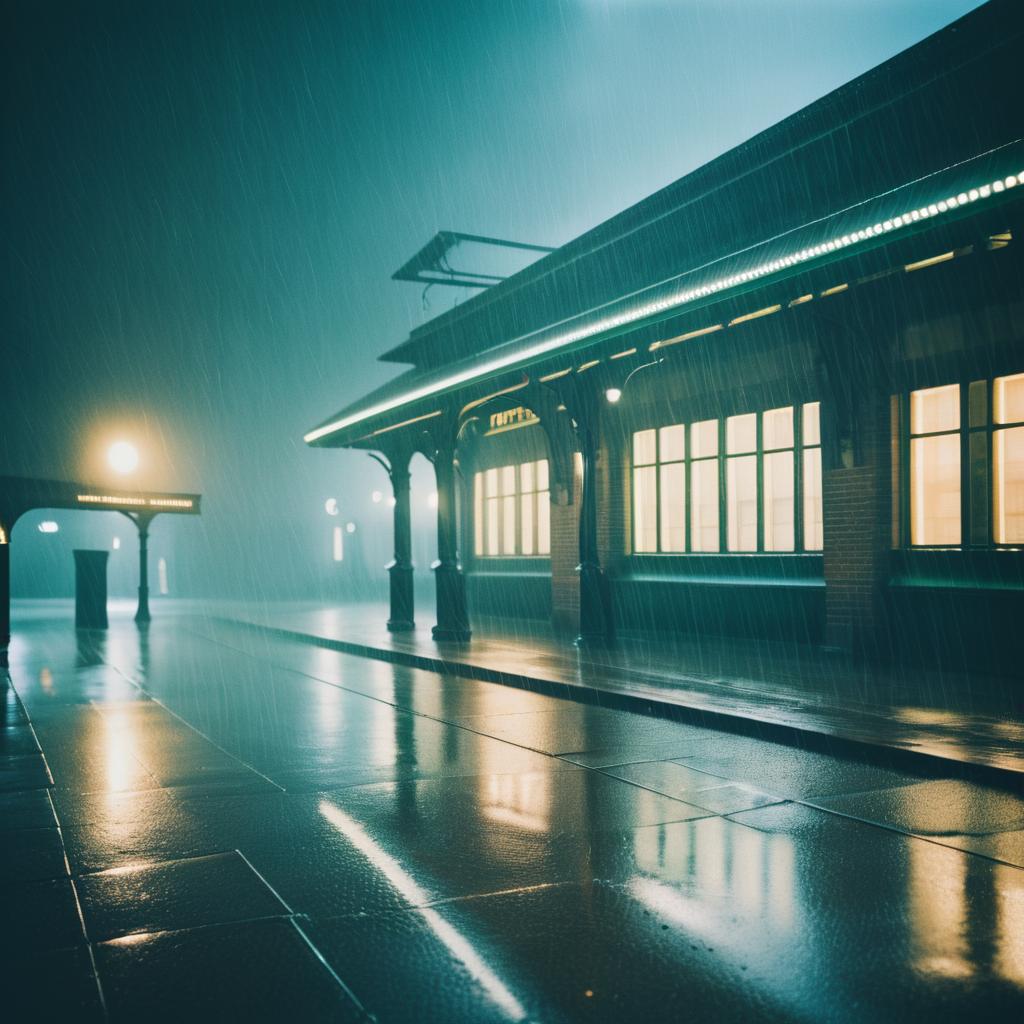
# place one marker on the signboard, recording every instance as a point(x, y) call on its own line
point(511, 419)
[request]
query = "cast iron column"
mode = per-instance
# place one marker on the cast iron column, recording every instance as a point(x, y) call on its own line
point(142, 523)
point(452, 618)
point(596, 625)
point(400, 570)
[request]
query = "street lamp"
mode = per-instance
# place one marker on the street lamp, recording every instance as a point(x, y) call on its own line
point(123, 457)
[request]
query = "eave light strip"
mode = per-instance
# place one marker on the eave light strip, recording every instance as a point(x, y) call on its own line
point(679, 299)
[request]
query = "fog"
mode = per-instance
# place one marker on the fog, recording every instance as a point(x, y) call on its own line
point(203, 205)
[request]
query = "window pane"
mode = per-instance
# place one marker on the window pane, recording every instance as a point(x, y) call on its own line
point(935, 409)
point(508, 479)
point(673, 507)
point(478, 513)
point(492, 483)
point(543, 522)
point(644, 447)
point(813, 532)
point(779, 522)
point(542, 475)
point(811, 425)
point(742, 503)
point(526, 476)
point(526, 505)
point(673, 443)
point(645, 516)
point(1009, 485)
point(1008, 399)
point(508, 526)
point(935, 490)
point(492, 526)
point(703, 439)
point(704, 505)
point(741, 433)
point(777, 428)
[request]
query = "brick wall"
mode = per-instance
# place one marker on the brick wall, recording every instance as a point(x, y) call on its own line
point(857, 521)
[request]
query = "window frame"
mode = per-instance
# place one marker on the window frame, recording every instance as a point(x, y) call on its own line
point(479, 504)
point(966, 431)
point(721, 458)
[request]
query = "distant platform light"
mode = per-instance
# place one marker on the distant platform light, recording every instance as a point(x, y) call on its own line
point(350, 527)
point(116, 545)
point(331, 506)
point(161, 572)
point(123, 457)
point(377, 497)
point(48, 526)
point(613, 395)
point(339, 545)
point(432, 499)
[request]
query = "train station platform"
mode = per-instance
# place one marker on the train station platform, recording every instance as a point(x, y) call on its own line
point(787, 693)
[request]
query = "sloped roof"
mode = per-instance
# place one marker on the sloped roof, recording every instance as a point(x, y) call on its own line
point(935, 121)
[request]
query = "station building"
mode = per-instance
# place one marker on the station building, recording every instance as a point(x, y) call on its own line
point(783, 397)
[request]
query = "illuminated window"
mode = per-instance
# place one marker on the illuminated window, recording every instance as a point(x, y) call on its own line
point(1008, 460)
point(965, 464)
point(814, 534)
point(935, 466)
point(704, 486)
point(511, 509)
point(765, 484)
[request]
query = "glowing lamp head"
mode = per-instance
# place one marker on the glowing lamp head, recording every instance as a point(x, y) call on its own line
point(123, 457)
point(331, 506)
point(377, 497)
point(613, 395)
point(350, 527)
point(48, 526)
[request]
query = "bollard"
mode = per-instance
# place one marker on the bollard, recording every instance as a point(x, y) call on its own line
point(91, 589)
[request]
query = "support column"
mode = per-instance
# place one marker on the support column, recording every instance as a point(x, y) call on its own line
point(452, 617)
point(400, 570)
point(596, 623)
point(5, 596)
point(142, 524)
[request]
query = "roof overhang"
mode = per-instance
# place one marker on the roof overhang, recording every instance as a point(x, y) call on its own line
point(943, 196)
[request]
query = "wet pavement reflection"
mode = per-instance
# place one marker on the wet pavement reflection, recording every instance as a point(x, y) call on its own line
point(202, 821)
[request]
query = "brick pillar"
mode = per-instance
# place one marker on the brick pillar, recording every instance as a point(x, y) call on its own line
point(857, 507)
point(565, 556)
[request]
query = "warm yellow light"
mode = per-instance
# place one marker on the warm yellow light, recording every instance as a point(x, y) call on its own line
point(123, 457)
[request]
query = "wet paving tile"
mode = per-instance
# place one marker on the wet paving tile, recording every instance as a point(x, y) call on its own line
point(698, 788)
point(262, 970)
point(450, 837)
point(17, 739)
point(30, 855)
point(23, 771)
point(58, 985)
point(113, 830)
point(450, 868)
point(578, 729)
point(1003, 846)
point(647, 949)
point(936, 808)
point(39, 916)
point(790, 772)
point(175, 895)
point(25, 809)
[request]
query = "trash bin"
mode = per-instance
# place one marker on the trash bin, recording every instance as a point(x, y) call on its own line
point(91, 589)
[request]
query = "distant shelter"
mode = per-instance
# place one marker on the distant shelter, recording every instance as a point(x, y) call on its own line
point(783, 397)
